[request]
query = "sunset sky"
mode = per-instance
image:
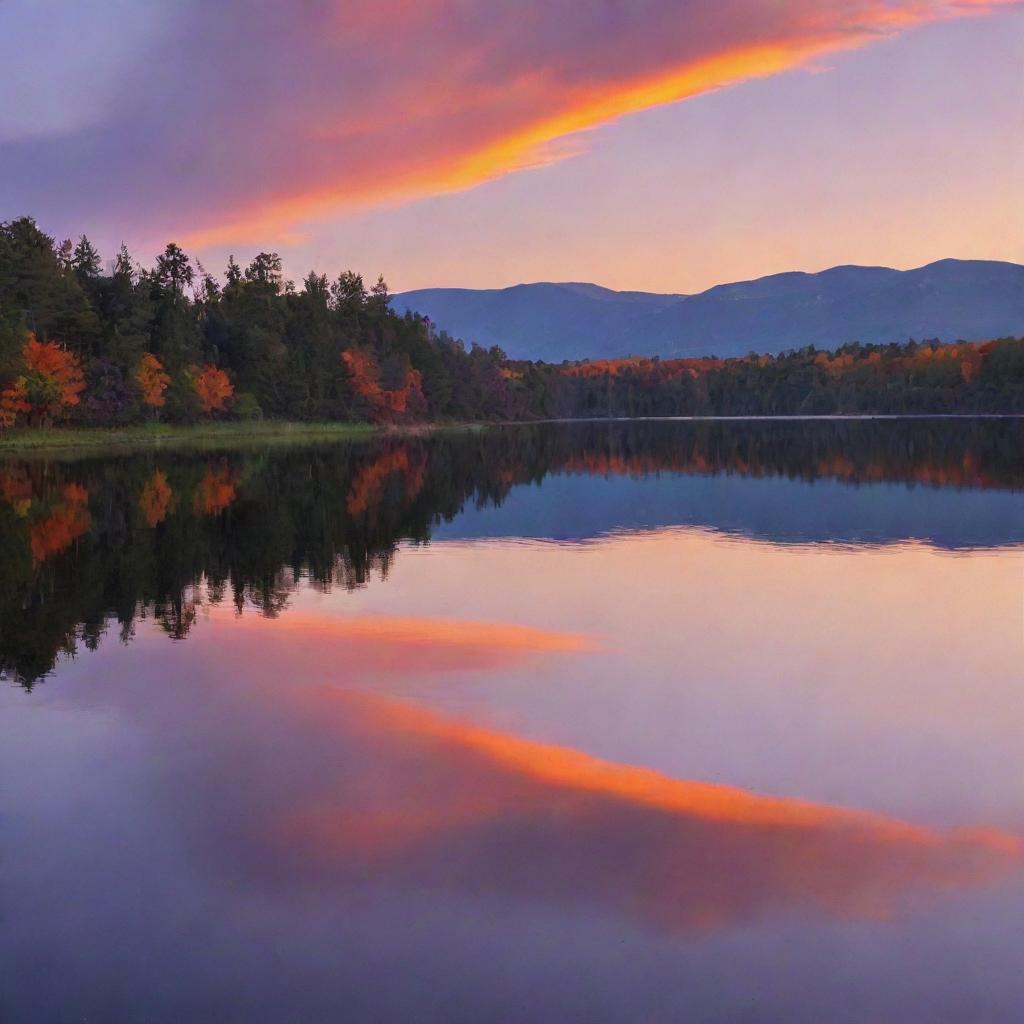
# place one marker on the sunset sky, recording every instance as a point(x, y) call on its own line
point(656, 144)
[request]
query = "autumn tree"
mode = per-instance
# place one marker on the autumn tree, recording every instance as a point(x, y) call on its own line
point(384, 393)
point(279, 348)
point(13, 403)
point(152, 381)
point(213, 388)
point(52, 381)
point(364, 379)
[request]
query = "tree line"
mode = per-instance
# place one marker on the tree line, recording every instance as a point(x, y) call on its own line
point(81, 344)
point(109, 345)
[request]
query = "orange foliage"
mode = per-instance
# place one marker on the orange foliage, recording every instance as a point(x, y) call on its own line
point(602, 367)
point(152, 380)
point(362, 370)
point(368, 487)
point(663, 369)
point(13, 401)
point(971, 358)
point(969, 355)
point(213, 388)
point(54, 381)
point(67, 521)
point(963, 473)
point(384, 404)
point(398, 400)
point(834, 365)
point(216, 491)
point(155, 500)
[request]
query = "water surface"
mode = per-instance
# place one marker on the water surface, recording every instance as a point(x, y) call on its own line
point(597, 722)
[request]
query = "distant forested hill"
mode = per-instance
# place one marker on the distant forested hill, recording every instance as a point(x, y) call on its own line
point(951, 300)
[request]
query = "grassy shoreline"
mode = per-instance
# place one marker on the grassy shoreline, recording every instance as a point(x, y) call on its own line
point(24, 440)
point(96, 440)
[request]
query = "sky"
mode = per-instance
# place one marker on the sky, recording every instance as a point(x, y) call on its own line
point(664, 145)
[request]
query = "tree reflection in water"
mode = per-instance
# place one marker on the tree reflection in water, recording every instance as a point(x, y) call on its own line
point(94, 542)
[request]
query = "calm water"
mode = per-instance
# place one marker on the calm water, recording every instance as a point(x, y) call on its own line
point(650, 722)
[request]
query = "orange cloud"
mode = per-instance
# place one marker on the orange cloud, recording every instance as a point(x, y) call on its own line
point(306, 110)
point(490, 107)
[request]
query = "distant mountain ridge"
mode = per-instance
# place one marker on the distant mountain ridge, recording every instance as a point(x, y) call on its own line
point(951, 300)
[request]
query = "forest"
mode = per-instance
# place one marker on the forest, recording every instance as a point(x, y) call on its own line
point(106, 343)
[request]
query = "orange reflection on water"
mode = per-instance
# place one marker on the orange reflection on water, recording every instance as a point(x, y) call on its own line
point(155, 499)
point(16, 485)
point(961, 470)
point(453, 804)
point(358, 644)
point(67, 521)
point(216, 490)
point(367, 490)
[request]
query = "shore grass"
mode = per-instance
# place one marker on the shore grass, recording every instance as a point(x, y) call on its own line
point(97, 439)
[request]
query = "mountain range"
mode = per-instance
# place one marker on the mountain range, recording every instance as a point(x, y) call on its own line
point(951, 300)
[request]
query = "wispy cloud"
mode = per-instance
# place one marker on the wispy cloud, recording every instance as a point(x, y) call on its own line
point(246, 120)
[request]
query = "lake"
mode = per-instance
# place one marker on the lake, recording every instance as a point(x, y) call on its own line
point(648, 721)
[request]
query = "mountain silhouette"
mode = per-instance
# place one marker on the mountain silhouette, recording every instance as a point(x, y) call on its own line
point(951, 300)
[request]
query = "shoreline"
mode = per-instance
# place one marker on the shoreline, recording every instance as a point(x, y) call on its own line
point(57, 439)
point(167, 435)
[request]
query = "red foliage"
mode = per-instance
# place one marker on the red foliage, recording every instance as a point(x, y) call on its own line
point(383, 405)
point(969, 356)
point(663, 369)
point(13, 402)
point(152, 380)
point(52, 383)
point(213, 387)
